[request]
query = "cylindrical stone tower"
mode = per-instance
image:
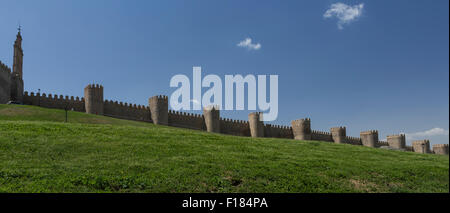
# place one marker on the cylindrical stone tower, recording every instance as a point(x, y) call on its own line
point(212, 118)
point(93, 99)
point(397, 141)
point(369, 138)
point(256, 124)
point(301, 129)
point(440, 149)
point(422, 146)
point(159, 109)
point(339, 134)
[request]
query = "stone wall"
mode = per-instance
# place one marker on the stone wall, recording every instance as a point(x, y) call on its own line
point(353, 140)
point(278, 131)
point(5, 83)
point(126, 111)
point(234, 127)
point(227, 126)
point(54, 101)
point(186, 120)
point(321, 136)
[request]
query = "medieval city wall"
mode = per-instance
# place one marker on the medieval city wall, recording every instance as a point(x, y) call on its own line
point(278, 131)
point(197, 121)
point(353, 140)
point(234, 127)
point(321, 136)
point(186, 120)
point(5, 83)
point(126, 111)
point(382, 143)
point(12, 85)
point(54, 101)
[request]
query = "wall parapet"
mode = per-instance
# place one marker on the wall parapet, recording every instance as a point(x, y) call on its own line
point(186, 120)
point(54, 101)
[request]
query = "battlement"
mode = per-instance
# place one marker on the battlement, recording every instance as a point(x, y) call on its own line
point(320, 132)
point(302, 120)
point(369, 132)
point(396, 136)
point(370, 138)
point(440, 145)
point(353, 140)
point(4, 68)
point(421, 146)
point(382, 143)
point(126, 111)
point(321, 136)
point(256, 124)
point(93, 95)
point(278, 126)
point(160, 97)
point(11, 89)
point(301, 129)
point(94, 86)
point(54, 101)
point(233, 127)
point(339, 128)
point(5, 83)
point(338, 134)
point(159, 109)
point(397, 141)
point(278, 131)
point(125, 105)
point(420, 142)
point(440, 149)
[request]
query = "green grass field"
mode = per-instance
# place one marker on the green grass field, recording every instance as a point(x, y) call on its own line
point(41, 153)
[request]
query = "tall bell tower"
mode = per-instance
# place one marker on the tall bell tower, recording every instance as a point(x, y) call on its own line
point(17, 74)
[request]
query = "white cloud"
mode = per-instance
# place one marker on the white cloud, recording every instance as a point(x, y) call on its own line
point(428, 133)
point(247, 43)
point(344, 13)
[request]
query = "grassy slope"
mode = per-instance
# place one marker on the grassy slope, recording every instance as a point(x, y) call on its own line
point(39, 153)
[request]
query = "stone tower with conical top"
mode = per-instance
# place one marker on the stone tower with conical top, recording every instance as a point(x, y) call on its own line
point(17, 74)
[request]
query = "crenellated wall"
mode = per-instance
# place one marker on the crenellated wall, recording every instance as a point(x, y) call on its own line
point(54, 101)
point(186, 120)
point(321, 136)
point(353, 140)
point(5, 83)
point(227, 126)
point(234, 127)
point(11, 89)
point(126, 111)
point(278, 131)
point(382, 143)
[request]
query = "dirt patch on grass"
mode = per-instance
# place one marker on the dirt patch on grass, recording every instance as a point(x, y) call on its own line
point(364, 185)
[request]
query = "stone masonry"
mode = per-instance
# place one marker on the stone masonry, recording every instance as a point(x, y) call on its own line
point(12, 89)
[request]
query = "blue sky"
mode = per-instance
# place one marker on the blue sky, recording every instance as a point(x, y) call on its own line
point(387, 69)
